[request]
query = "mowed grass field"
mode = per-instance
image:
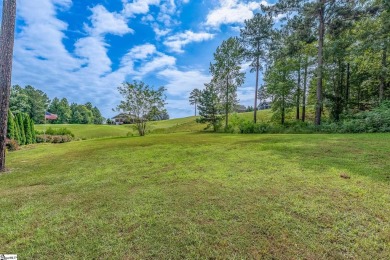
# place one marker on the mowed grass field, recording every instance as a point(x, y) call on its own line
point(187, 124)
point(199, 195)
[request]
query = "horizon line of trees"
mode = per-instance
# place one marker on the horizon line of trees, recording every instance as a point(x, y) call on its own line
point(326, 53)
point(35, 103)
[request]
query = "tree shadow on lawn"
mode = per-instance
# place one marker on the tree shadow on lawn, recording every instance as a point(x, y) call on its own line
point(364, 156)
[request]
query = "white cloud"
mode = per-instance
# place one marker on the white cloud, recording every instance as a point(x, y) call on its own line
point(138, 7)
point(180, 83)
point(104, 22)
point(232, 12)
point(178, 41)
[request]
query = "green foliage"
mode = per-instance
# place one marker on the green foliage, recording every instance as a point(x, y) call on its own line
point(58, 131)
point(142, 102)
point(22, 140)
point(11, 127)
point(226, 72)
point(210, 107)
point(27, 129)
point(55, 139)
point(34, 102)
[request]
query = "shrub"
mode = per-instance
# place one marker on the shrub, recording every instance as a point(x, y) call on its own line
point(59, 131)
point(55, 139)
point(12, 145)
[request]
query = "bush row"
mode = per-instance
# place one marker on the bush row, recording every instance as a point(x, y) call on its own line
point(56, 139)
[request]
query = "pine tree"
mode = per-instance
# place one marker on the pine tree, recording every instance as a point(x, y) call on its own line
point(11, 132)
point(17, 129)
point(22, 140)
point(27, 129)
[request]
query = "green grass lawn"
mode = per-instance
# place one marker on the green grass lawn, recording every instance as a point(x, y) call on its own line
point(199, 195)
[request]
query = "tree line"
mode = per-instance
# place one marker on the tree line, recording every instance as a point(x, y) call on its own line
point(35, 102)
point(332, 55)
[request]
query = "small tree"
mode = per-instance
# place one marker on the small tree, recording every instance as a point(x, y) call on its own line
point(11, 131)
point(194, 98)
point(27, 129)
point(210, 107)
point(22, 140)
point(142, 102)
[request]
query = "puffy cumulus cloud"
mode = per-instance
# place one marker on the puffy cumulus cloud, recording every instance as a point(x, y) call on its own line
point(136, 7)
point(180, 83)
point(104, 22)
point(232, 12)
point(144, 59)
point(86, 74)
point(178, 41)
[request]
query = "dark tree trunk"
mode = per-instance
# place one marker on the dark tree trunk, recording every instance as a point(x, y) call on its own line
point(195, 108)
point(382, 84)
point(257, 84)
point(321, 33)
point(347, 87)
point(227, 103)
point(304, 92)
point(299, 89)
point(6, 52)
point(283, 110)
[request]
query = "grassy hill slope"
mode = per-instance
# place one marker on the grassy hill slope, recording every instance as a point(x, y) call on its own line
point(200, 195)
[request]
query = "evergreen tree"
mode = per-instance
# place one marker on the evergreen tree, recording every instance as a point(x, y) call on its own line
point(227, 75)
point(194, 98)
point(27, 129)
point(210, 107)
point(11, 131)
point(22, 140)
point(256, 37)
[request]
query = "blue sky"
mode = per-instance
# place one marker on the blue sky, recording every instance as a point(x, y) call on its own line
point(83, 50)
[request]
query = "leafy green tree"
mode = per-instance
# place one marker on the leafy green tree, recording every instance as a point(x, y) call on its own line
point(210, 108)
point(280, 84)
point(256, 39)
point(38, 102)
point(19, 100)
point(98, 119)
point(227, 75)
point(62, 109)
point(141, 102)
point(194, 98)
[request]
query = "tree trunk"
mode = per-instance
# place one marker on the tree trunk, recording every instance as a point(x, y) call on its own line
point(383, 73)
point(299, 89)
point(6, 52)
point(283, 110)
point(227, 103)
point(304, 92)
point(321, 33)
point(347, 87)
point(257, 84)
point(195, 108)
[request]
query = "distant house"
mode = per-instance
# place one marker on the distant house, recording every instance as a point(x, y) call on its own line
point(240, 109)
point(123, 118)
